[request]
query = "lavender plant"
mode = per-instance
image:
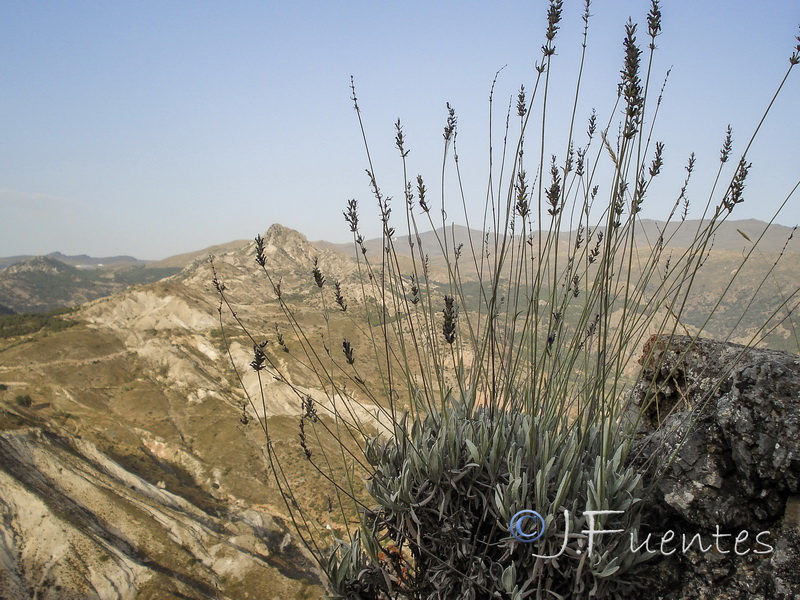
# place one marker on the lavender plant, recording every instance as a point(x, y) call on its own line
point(493, 376)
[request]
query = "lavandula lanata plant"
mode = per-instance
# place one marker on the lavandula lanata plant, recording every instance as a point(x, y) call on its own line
point(497, 375)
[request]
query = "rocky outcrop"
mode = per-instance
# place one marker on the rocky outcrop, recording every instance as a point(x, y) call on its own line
point(719, 440)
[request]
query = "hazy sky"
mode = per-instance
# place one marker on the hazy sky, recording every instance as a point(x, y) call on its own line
point(157, 127)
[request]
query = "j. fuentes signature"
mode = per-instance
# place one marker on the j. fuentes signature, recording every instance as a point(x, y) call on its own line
point(527, 526)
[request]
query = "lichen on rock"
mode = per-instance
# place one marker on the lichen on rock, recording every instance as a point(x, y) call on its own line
point(719, 438)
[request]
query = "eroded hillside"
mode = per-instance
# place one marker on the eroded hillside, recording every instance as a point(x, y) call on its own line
point(126, 469)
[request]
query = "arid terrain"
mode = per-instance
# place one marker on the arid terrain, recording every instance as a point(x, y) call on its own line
point(126, 466)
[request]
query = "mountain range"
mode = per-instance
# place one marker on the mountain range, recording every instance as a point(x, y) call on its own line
point(76, 260)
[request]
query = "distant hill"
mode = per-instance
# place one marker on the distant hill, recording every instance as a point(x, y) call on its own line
point(77, 260)
point(732, 236)
point(42, 283)
point(182, 260)
point(84, 261)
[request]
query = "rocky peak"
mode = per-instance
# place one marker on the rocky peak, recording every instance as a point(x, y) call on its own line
point(40, 264)
point(278, 233)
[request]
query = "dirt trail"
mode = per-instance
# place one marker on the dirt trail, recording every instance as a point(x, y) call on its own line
point(80, 362)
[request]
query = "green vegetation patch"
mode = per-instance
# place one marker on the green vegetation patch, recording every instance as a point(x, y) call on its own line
point(28, 323)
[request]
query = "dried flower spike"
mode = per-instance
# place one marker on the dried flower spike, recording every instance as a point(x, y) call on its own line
point(421, 190)
point(450, 126)
point(347, 349)
point(736, 189)
point(727, 146)
point(450, 316)
point(553, 19)
point(281, 341)
point(399, 139)
point(414, 290)
point(351, 215)
point(337, 291)
point(319, 279)
point(303, 443)
point(309, 410)
point(553, 193)
point(522, 207)
point(631, 85)
point(260, 257)
point(658, 160)
point(259, 358)
point(654, 23)
point(521, 106)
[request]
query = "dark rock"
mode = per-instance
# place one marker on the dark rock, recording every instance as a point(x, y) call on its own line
point(718, 439)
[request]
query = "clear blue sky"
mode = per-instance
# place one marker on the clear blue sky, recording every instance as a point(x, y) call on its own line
point(157, 127)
